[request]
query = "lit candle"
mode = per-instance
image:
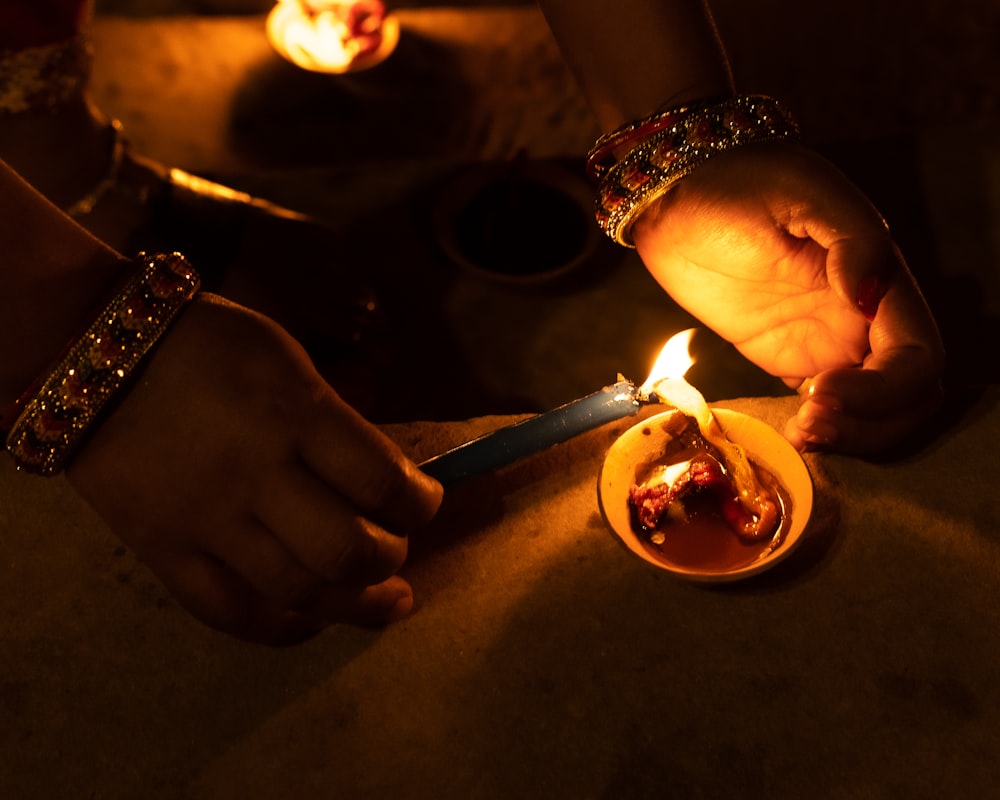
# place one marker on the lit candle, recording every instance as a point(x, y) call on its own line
point(665, 384)
point(666, 381)
point(506, 445)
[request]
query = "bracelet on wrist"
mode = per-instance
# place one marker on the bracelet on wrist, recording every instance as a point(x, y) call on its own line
point(667, 152)
point(97, 366)
point(602, 155)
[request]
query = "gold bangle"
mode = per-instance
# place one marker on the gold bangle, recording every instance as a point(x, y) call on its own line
point(602, 155)
point(97, 366)
point(655, 165)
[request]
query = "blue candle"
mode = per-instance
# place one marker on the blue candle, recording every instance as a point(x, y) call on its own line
point(506, 445)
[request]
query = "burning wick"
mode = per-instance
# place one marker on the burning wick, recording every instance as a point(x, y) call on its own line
point(666, 380)
point(504, 446)
point(332, 35)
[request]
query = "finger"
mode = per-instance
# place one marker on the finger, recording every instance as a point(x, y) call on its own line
point(822, 424)
point(326, 534)
point(215, 595)
point(870, 409)
point(882, 387)
point(368, 606)
point(906, 359)
point(905, 341)
point(367, 468)
point(841, 219)
point(898, 388)
point(256, 555)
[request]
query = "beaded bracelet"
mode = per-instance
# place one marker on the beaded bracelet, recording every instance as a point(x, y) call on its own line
point(651, 168)
point(55, 419)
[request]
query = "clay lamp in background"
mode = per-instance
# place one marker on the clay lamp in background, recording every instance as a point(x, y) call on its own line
point(332, 36)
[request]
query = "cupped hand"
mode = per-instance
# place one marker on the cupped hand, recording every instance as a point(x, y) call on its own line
point(779, 253)
point(267, 506)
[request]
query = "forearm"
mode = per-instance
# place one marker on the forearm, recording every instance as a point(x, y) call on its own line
point(52, 275)
point(632, 56)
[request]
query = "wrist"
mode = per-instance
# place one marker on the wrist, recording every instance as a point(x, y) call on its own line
point(53, 273)
point(35, 345)
point(44, 318)
point(641, 161)
point(55, 415)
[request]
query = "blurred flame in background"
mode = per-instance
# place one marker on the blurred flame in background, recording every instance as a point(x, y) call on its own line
point(332, 35)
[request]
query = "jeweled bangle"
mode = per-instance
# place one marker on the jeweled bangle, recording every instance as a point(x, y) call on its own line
point(601, 157)
point(98, 365)
point(654, 166)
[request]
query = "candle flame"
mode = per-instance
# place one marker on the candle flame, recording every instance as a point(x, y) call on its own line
point(673, 361)
point(666, 384)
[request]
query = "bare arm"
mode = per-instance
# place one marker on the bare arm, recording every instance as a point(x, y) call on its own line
point(632, 56)
point(266, 505)
point(52, 272)
point(768, 245)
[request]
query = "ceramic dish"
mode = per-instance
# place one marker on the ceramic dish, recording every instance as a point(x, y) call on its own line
point(644, 443)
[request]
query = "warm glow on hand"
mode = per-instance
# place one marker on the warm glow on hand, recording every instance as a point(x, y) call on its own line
point(766, 274)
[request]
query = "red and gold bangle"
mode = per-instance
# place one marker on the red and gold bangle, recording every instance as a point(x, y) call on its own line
point(603, 155)
point(656, 164)
point(96, 368)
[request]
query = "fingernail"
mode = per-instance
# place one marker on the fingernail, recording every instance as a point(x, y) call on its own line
point(871, 290)
point(815, 429)
point(819, 432)
point(829, 402)
point(402, 608)
point(824, 438)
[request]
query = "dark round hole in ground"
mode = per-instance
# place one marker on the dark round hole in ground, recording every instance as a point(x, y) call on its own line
point(521, 227)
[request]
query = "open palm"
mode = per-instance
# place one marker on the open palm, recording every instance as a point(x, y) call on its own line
point(749, 255)
point(775, 250)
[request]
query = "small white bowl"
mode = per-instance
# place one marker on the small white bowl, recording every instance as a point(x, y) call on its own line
point(644, 443)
